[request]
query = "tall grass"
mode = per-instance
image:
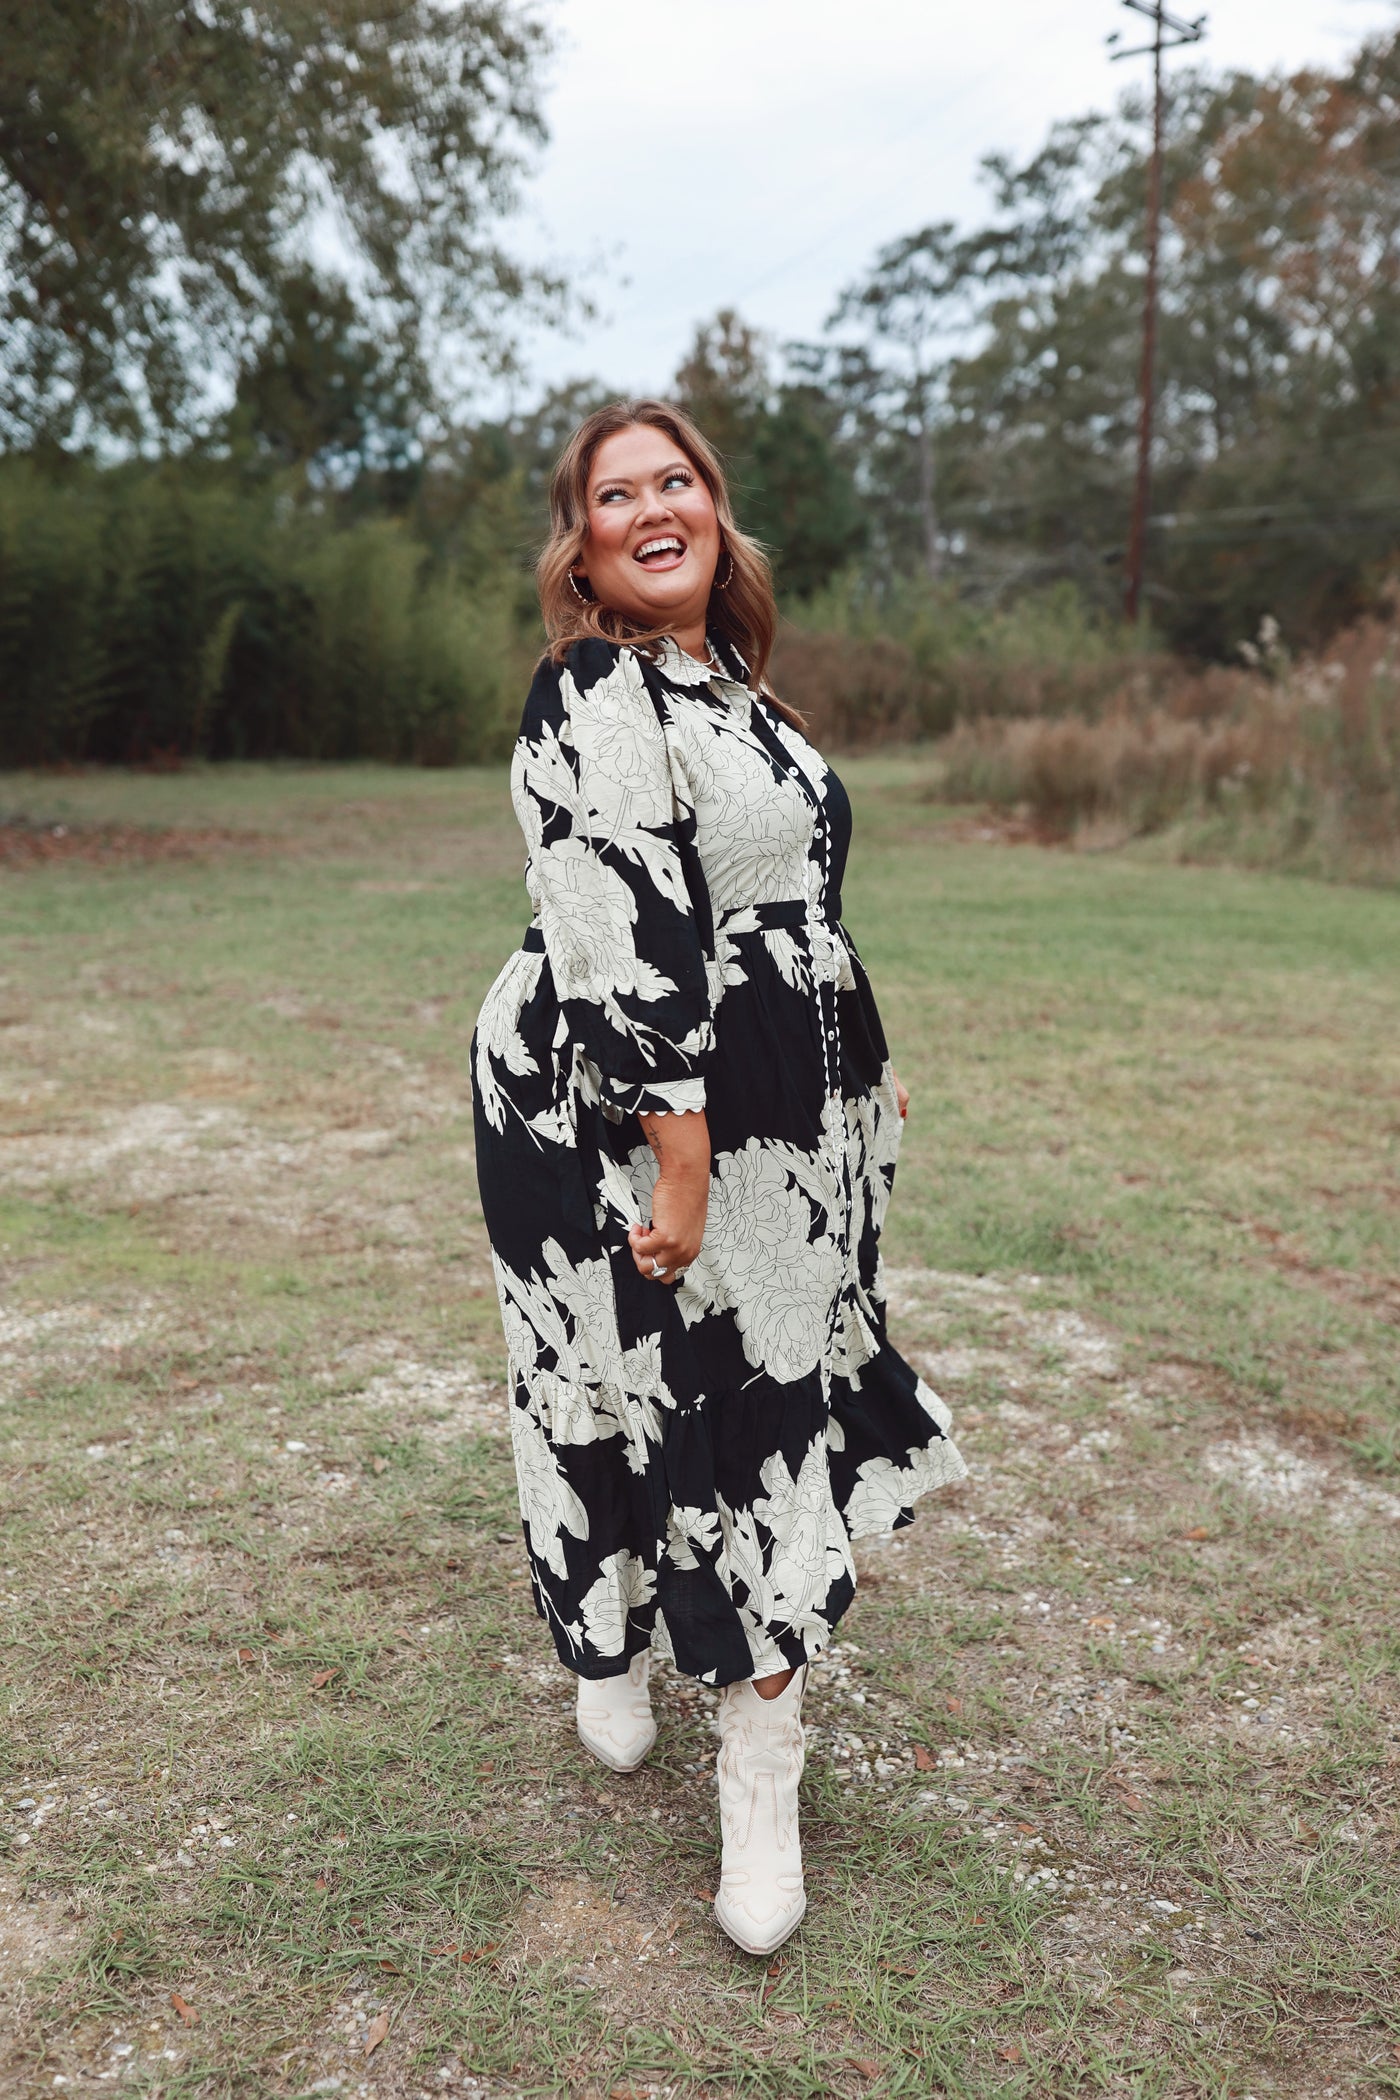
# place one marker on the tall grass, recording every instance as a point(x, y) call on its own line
point(1280, 762)
point(916, 661)
point(164, 613)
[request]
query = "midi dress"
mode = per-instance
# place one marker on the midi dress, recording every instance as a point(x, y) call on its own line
point(694, 1457)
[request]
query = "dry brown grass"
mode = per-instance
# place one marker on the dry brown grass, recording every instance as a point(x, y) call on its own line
point(862, 691)
point(1276, 762)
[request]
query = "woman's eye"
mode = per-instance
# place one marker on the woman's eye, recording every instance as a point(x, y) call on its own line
point(611, 495)
point(677, 480)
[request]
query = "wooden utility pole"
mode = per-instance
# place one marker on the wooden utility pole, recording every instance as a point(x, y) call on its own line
point(1167, 34)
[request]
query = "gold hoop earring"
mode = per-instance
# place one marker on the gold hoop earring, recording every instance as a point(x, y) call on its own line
point(573, 585)
point(728, 576)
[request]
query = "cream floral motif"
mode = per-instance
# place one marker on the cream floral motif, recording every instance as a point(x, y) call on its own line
point(810, 1550)
point(884, 1489)
point(549, 1507)
point(688, 1530)
point(498, 1034)
point(624, 1584)
point(761, 1260)
point(708, 1447)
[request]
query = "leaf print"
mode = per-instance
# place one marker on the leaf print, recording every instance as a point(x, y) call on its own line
point(684, 851)
point(624, 1584)
point(642, 1371)
point(548, 1505)
point(585, 1290)
point(688, 1530)
point(789, 959)
point(498, 1034)
point(741, 1560)
point(810, 1549)
point(621, 1196)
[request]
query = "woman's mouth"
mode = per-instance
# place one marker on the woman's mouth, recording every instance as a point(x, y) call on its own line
point(665, 552)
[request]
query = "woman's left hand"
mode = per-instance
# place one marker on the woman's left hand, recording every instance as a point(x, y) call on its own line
point(901, 1093)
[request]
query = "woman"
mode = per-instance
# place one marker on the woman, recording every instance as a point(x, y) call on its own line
point(686, 1133)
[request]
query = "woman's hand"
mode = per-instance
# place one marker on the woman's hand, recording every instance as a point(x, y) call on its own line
point(901, 1093)
point(678, 1201)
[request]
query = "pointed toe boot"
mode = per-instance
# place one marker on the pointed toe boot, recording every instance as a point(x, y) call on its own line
point(614, 1715)
point(761, 1897)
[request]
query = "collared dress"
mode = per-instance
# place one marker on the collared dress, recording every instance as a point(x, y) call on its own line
point(694, 1458)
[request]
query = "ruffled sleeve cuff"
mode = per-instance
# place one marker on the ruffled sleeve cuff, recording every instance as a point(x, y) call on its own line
point(657, 1097)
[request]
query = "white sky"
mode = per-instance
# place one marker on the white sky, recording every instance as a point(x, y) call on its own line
point(755, 153)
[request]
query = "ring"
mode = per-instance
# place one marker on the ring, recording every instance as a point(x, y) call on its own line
point(657, 1269)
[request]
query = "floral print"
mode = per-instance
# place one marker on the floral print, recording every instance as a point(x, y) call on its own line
point(693, 1458)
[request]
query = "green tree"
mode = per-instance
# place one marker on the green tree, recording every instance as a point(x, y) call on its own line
point(322, 395)
point(163, 167)
point(902, 322)
point(1277, 468)
point(792, 480)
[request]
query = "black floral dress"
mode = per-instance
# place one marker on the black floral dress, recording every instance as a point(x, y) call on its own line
point(694, 1458)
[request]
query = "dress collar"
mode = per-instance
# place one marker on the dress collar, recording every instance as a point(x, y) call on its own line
point(683, 669)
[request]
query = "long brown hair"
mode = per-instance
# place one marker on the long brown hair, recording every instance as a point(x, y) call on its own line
point(744, 613)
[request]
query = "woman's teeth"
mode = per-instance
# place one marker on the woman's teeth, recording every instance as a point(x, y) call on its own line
point(651, 550)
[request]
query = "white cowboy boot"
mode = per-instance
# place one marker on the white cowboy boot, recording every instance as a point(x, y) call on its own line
point(614, 1715)
point(761, 1898)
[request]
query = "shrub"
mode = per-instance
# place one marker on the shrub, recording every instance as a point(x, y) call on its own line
point(916, 660)
point(1305, 757)
point(175, 611)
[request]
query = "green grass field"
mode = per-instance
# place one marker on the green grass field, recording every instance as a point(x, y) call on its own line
point(1103, 1773)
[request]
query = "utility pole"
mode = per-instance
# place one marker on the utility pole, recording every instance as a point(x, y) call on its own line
point(1168, 33)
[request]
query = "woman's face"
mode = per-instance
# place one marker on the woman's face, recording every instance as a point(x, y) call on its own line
point(653, 537)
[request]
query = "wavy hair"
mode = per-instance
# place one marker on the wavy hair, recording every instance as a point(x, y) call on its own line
point(744, 613)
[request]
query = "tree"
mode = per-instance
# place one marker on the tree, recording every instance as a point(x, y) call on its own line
point(166, 164)
point(991, 378)
point(792, 483)
point(907, 314)
point(321, 394)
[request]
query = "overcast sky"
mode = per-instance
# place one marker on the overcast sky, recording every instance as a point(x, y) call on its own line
point(755, 153)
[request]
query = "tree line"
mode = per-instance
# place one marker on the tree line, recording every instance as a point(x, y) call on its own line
point(253, 273)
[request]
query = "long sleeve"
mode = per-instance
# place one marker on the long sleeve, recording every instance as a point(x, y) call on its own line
point(615, 879)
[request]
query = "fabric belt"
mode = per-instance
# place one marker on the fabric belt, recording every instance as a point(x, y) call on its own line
point(786, 913)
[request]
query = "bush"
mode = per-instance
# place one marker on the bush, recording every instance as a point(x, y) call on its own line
point(1301, 759)
point(175, 612)
point(916, 660)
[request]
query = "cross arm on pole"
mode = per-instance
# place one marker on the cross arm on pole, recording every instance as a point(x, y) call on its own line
point(1171, 31)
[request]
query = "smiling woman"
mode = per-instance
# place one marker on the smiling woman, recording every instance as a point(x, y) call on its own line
point(686, 1129)
point(636, 476)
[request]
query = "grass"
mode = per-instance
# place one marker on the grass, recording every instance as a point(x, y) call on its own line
point(1101, 1791)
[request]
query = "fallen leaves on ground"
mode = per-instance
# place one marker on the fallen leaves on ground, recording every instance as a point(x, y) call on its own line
point(378, 2030)
point(322, 1678)
point(186, 2011)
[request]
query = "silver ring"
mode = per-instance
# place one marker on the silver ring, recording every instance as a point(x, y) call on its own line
point(656, 1268)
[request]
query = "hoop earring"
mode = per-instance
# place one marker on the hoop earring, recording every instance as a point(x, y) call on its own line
point(728, 576)
point(573, 585)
